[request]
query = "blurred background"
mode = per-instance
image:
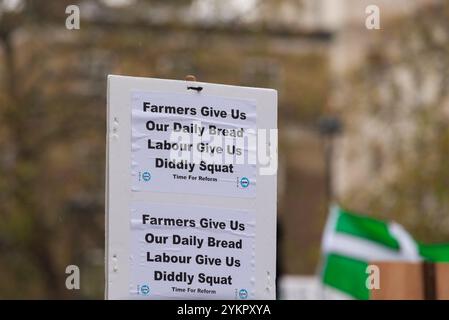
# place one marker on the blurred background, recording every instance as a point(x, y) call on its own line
point(363, 119)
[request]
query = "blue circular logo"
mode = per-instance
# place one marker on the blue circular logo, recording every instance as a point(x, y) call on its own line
point(244, 182)
point(146, 176)
point(243, 294)
point(145, 289)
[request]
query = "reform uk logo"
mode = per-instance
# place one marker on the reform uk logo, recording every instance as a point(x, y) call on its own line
point(143, 289)
point(244, 182)
point(145, 176)
point(243, 294)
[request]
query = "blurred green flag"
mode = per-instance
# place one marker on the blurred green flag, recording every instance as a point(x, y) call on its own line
point(351, 241)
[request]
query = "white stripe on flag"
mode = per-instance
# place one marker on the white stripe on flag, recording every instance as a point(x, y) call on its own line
point(409, 249)
point(359, 248)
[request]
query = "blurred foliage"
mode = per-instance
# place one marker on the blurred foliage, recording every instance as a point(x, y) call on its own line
point(51, 163)
point(403, 91)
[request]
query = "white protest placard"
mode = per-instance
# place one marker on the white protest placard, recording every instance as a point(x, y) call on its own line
point(192, 252)
point(196, 144)
point(190, 190)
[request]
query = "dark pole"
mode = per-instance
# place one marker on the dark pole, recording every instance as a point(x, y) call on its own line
point(429, 280)
point(328, 155)
point(329, 127)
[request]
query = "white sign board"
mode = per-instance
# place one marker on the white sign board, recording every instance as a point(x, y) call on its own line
point(206, 134)
point(190, 190)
